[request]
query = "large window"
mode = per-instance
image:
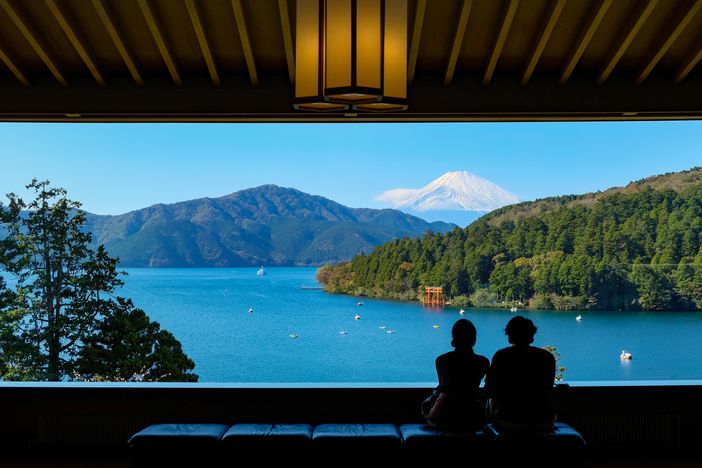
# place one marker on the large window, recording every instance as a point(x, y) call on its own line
point(302, 253)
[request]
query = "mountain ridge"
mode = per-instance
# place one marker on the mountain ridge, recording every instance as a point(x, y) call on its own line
point(267, 224)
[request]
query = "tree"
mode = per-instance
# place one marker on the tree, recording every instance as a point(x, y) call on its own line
point(130, 347)
point(64, 287)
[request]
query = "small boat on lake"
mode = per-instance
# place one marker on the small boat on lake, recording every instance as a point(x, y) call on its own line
point(343, 332)
point(625, 356)
point(383, 327)
point(579, 317)
point(261, 271)
point(513, 309)
point(251, 310)
point(294, 335)
point(461, 311)
point(360, 304)
point(357, 317)
point(390, 332)
point(435, 326)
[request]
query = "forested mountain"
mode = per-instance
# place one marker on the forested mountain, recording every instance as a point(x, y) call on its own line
point(267, 225)
point(628, 248)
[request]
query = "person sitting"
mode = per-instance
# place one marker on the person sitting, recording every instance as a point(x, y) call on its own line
point(519, 382)
point(454, 403)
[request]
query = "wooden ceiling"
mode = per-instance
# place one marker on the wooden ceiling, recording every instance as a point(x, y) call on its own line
point(232, 60)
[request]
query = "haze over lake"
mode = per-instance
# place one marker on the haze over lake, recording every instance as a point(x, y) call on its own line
point(207, 309)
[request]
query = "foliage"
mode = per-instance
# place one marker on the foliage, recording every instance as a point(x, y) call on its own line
point(560, 370)
point(625, 249)
point(130, 347)
point(64, 291)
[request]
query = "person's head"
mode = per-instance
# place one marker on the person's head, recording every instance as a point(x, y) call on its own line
point(520, 331)
point(463, 334)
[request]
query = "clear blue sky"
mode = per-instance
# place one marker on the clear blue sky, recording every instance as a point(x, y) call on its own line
point(114, 168)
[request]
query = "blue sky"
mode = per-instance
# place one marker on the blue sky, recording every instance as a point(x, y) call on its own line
point(115, 168)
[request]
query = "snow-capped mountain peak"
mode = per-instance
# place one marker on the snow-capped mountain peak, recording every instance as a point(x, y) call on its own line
point(458, 190)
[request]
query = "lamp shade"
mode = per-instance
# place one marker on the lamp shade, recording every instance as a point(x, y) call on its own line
point(351, 53)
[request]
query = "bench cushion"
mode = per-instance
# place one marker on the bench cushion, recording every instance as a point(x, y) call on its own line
point(562, 436)
point(350, 435)
point(268, 435)
point(178, 435)
point(424, 436)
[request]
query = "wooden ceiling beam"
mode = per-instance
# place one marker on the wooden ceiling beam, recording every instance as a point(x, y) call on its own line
point(689, 63)
point(596, 17)
point(245, 41)
point(155, 28)
point(507, 18)
point(457, 41)
point(544, 35)
point(117, 40)
point(34, 41)
point(77, 43)
point(195, 19)
point(671, 37)
point(416, 37)
point(287, 38)
point(13, 67)
point(626, 38)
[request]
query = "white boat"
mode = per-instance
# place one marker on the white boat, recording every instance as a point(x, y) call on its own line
point(390, 332)
point(294, 335)
point(383, 327)
point(435, 326)
point(251, 310)
point(343, 332)
point(625, 356)
point(513, 309)
point(579, 317)
point(360, 304)
point(357, 317)
point(461, 311)
point(261, 271)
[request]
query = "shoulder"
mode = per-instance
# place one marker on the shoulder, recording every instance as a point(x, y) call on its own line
point(546, 355)
point(502, 353)
point(444, 357)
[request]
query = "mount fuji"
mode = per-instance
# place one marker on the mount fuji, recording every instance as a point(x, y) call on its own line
point(459, 197)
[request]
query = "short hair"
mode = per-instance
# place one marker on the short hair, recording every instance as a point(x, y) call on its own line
point(520, 330)
point(463, 333)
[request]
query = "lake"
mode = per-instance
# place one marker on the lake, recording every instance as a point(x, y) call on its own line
point(207, 309)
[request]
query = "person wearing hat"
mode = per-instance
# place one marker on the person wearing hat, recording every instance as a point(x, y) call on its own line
point(519, 382)
point(454, 403)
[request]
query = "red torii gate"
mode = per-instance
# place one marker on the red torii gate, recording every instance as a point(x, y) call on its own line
point(433, 296)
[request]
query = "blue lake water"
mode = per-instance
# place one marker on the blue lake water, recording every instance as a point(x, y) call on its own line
point(207, 310)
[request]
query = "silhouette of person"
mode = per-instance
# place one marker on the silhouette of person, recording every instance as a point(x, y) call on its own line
point(454, 403)
point(519, 382)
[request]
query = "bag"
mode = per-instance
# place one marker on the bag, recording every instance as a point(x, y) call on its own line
point(449, 412)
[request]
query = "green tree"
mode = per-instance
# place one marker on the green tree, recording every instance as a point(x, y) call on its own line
point(64, 287)
point(130, 347)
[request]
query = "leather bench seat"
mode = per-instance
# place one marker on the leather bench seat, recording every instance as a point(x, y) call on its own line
point(367, 445)
point(423, 444)
point(422, 436)
point(562, 445)
point(178, 435)
point(268, 444)
point(177, 445)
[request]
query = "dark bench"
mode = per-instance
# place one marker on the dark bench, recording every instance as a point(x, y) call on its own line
point(177, 445)
point(562, 445)
point(348, 444)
